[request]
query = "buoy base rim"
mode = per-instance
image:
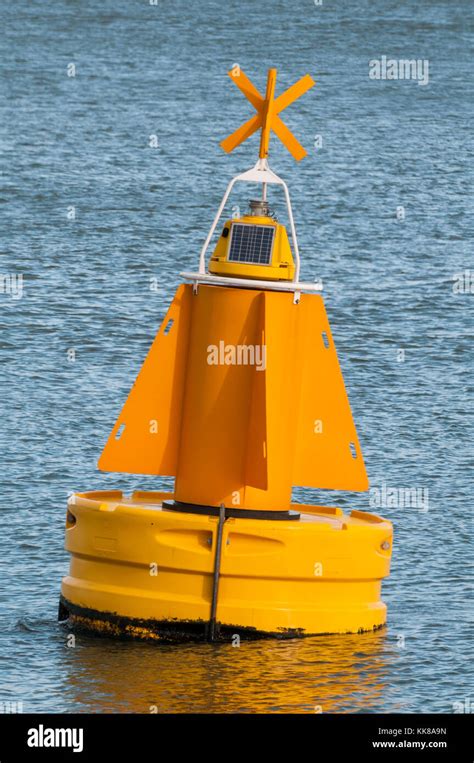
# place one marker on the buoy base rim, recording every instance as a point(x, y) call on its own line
point(111, 625)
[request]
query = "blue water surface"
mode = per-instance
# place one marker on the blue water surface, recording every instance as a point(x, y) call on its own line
point(98, 223)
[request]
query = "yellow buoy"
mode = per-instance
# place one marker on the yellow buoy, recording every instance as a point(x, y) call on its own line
point(240, 398)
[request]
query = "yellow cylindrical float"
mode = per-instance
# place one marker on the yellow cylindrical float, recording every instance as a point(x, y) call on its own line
point(137, 570)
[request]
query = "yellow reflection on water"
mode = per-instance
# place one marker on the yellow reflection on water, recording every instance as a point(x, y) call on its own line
point(322, 674)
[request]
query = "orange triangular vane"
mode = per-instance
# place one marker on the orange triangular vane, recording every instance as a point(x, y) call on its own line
point(327, 450)
point(256, 465)
point(145, 437)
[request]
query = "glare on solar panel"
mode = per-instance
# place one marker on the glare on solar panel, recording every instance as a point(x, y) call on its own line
point(251, 243)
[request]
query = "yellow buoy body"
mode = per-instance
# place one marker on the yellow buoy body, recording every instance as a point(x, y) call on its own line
point(140, 571)
point(240, 398)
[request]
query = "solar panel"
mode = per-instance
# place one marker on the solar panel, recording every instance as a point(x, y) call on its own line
point(251, 243)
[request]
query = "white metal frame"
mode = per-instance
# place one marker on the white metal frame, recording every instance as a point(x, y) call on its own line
point(260, 173)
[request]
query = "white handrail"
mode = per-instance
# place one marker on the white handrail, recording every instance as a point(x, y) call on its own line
point(261, 173)
point(251, 283)
point(202, 256)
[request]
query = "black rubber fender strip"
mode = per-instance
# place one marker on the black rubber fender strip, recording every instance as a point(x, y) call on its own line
point(213, 511)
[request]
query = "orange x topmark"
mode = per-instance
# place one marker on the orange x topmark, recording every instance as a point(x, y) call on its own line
point(267, 117)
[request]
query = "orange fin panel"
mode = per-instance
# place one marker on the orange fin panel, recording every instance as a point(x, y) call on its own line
point(145, 438)
point(256, 467)
point(327, 450)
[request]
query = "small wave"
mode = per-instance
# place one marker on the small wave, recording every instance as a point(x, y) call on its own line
point(32, 624)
